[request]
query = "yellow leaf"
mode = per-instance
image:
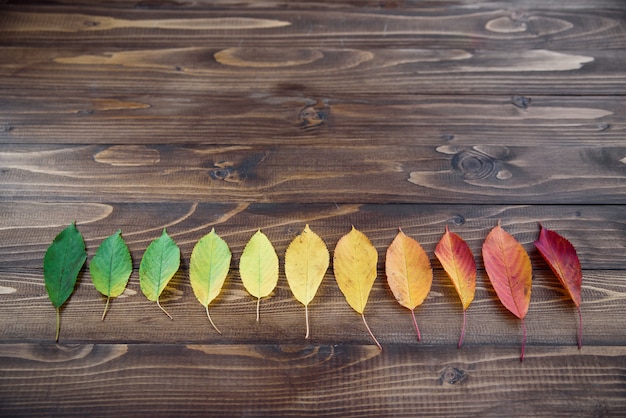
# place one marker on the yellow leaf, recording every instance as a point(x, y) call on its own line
point(258, 267)
point(306, 262)
point(409, 273)
point(354, 264)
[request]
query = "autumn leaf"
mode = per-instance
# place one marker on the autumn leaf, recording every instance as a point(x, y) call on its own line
point(458, 261)
point(258, 267)
point(306, 262)
point(409, 273)
point(561, 256)
point(61, 264)
point(208, 268)
point(158, 265)
point(111, 267)
point(510, 273)
point(354, 265)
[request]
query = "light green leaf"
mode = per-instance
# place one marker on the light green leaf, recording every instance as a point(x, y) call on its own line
point(111, 267)
point(208, 268)
point(61, 264)
point(258, 267)
point(158, 265)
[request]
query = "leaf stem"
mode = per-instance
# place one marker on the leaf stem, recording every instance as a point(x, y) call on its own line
point(106, 307)
point(164, 311)
point(211, 321)
point(523, 340)
point(580, 328)
point(463, 329)
point(371, 334)
point(56, 339)
point(306, 316)
point(258, 307)
point(419, 336)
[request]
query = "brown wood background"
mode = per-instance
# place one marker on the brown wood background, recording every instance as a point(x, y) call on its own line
point(239, 115)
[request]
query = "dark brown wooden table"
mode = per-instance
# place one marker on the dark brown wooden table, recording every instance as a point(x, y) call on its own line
point(239, 115)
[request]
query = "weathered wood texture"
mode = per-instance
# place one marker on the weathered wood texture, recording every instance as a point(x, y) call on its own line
point(188, 115)
point(309, 380)
point(339, 174)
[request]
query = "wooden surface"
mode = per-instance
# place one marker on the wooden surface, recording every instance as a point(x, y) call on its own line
point(192, 115)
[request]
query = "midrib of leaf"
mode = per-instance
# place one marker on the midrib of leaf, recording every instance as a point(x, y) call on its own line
point(307, 279)
point(455, 263)
point(507, 272)
point(209, 276)
point(356, 276)
point(159, 279)
point(406, 274)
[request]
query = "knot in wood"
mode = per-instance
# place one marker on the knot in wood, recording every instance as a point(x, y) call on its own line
point(452, 375)
point(474, 165)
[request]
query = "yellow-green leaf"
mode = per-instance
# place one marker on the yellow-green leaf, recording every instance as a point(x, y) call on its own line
point(258, 267)
point(208, 268)
point(409, 273)
point(111, 267)
point(354, 264)
point(158, 265)
point(306, 262)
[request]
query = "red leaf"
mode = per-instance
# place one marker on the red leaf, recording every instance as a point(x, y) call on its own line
point(561, 256)
point(510, 273)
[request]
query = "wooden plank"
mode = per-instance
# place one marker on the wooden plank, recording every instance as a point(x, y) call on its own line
point(552, 319)
point(302, 117)
point(309, 380)
point(28, 228)
point(219, 70)
point(491, 26)
point(306, 174)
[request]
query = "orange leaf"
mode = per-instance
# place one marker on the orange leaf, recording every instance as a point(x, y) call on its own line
point(409, 273)
point(458, 261)
point(561, 256)
point(354, 265)
point(510, 273)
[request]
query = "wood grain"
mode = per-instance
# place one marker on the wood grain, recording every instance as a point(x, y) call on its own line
point(298, 115)
point(304, 380)
point(346, 174)
point(382, 114)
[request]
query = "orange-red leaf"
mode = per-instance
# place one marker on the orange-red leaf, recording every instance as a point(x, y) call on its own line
point(561, 256)
point(510, 273)
point(409, 273)
point(458, 261)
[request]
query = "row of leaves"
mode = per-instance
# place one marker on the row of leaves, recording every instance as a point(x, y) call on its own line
point(407, 266)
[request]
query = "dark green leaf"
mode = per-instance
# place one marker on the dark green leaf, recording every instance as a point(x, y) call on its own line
point(61, 265)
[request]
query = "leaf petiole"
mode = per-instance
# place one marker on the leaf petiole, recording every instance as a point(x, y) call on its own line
point(371, 334)
point(306, 316)
point(106, 307)
point(463, 329)
point(164, 311)
point(419, 336)
point(523, 340)
point(211, 321)
point(56, 338)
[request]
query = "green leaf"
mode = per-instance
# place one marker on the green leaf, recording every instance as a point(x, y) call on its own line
point(158, 265)
point(111, 267)
point(258, 267)
point(208, 268)
point(61, 264)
